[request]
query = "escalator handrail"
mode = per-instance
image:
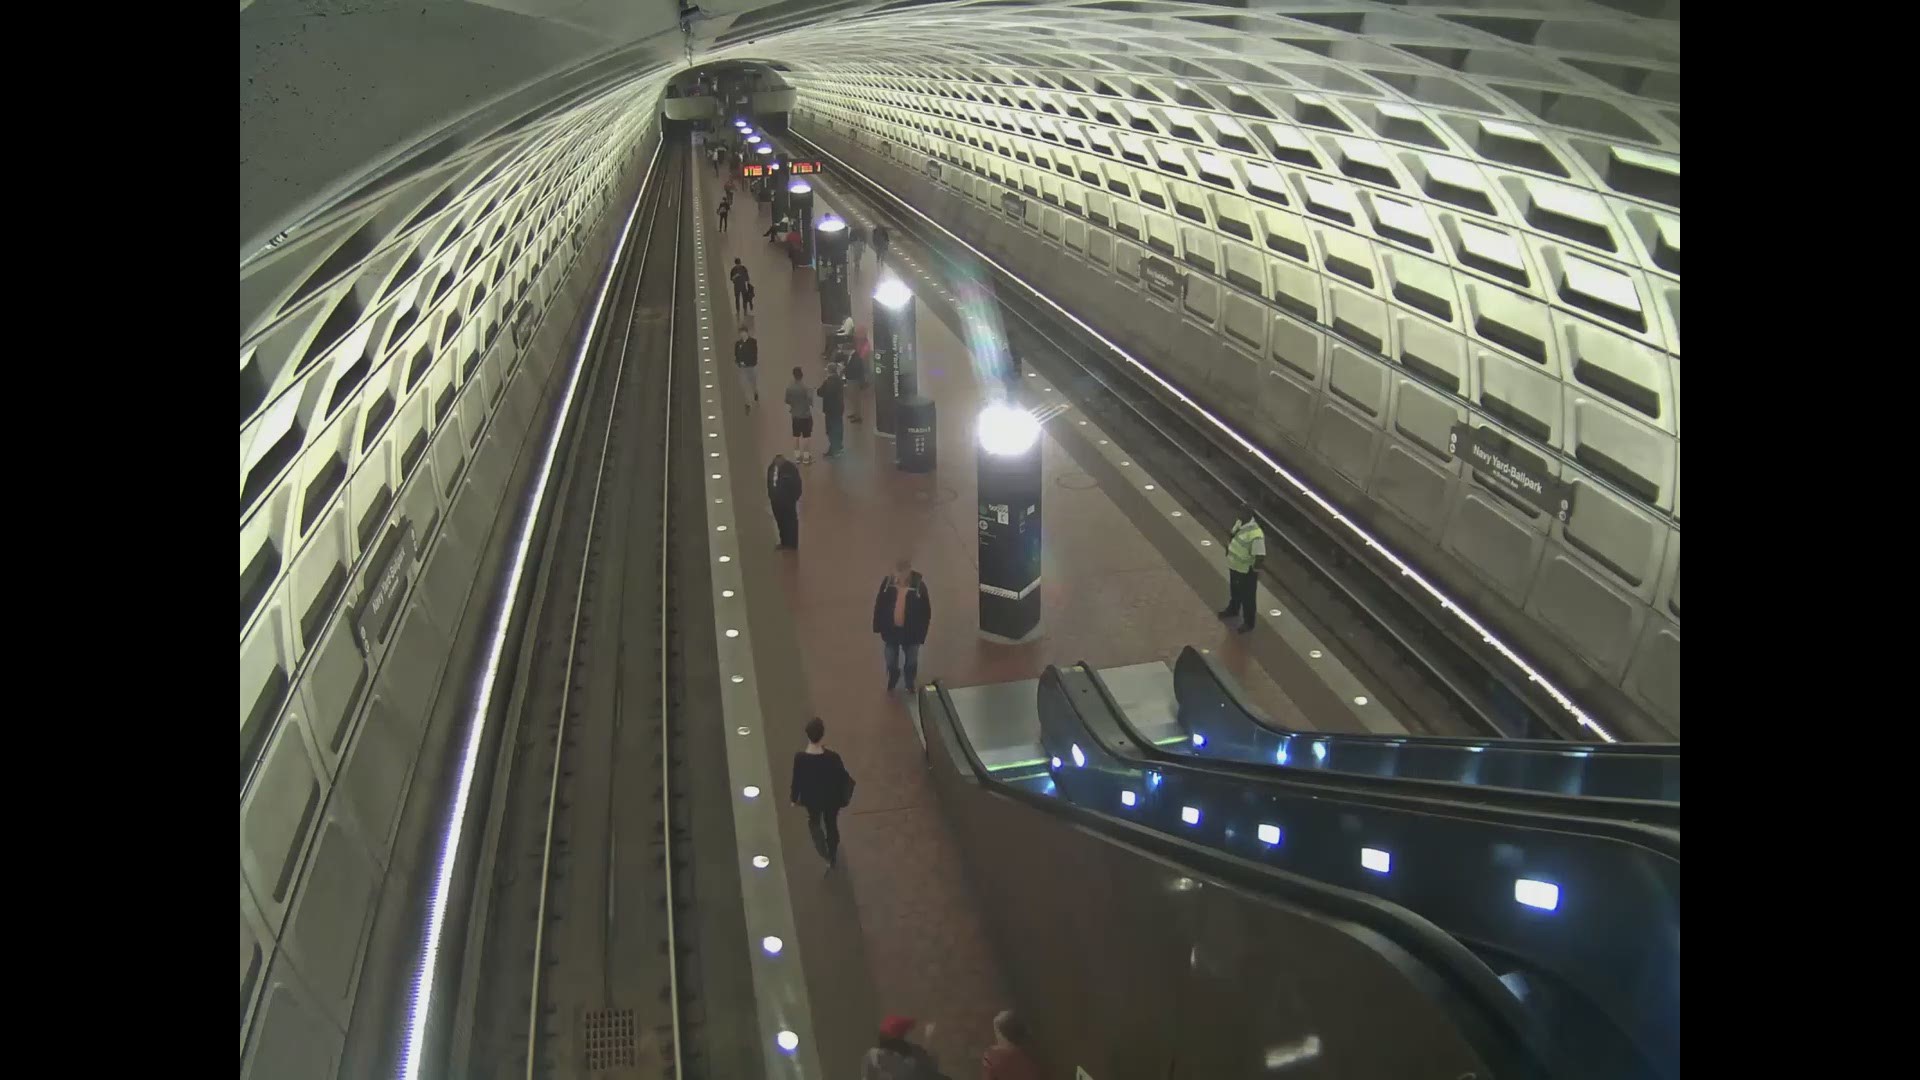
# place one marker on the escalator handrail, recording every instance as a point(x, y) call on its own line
point(1489, 1016)
point(1597, 749)
point(1193, 664)
point(1498, 806)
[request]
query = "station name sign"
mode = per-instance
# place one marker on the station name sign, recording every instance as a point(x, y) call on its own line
point(1515, 469)
point(1163, 279)
point(386, 585)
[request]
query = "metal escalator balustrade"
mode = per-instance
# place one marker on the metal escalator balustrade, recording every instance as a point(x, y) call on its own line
point(1630, 781)
point(1136, 953)
point(1583, 914)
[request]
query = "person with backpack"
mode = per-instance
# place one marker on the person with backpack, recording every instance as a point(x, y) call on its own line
point(902, 612)
point(746, 357)
point(783, 494)
point(893, 1057)
point(800, 408)
point(822, 784)
point(833, 403)
point(741, 279)
point(881, 240)
point(725, 207)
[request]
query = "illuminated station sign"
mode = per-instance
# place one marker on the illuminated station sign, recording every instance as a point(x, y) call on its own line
point(804, 168)
point(754, 169)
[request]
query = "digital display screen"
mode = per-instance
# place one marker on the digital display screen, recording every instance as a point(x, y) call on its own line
point(753, 170)
point(802, 168)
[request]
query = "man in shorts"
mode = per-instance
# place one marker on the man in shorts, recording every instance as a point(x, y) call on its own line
point(800, 408)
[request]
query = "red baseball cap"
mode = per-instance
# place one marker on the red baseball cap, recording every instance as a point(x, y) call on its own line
point(896, 1027)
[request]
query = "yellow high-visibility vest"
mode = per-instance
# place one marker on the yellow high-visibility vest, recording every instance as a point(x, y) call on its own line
point(1240, 548)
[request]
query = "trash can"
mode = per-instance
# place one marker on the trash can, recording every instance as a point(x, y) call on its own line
point(916, 445)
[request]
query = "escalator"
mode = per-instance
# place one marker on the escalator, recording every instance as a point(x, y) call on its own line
point(1572, 900)
point(1631, 781)
point(1139, 953)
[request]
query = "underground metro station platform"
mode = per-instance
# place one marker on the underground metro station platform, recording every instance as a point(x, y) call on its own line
point(524, 673)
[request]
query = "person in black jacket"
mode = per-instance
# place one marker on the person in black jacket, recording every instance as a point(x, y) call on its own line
point(822, 784)
point(901, 614)
point(783, 491)
point(746, 357)
point(739, 276)
point(881, 240)
point(833, 397)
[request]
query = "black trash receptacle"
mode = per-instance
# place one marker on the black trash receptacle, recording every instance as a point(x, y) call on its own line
point(916, 445)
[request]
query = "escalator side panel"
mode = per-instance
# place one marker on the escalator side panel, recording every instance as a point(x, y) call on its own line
point(1455, 864)
point(1130, 965)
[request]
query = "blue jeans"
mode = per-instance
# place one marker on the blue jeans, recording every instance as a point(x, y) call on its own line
point(893, 651)
point(836, 427)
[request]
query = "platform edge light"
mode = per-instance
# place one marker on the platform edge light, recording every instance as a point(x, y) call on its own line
point(1446, 602)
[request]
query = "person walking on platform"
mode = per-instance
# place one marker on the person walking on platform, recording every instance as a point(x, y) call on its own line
point(822, 784)
point(833, 404)
point(894, 1058)
point(1246, 551)
point(741, 279)
point(856, 247)
point(783, 491)
point(1008, 1057)
point(746, 357)
point(902, 612)
point(881, 239)
point(800, 408)
point(749, 297)
point(859, 370)
point(725, 206)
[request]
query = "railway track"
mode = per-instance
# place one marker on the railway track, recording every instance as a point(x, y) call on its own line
point(585, 964)
point(1428, 679)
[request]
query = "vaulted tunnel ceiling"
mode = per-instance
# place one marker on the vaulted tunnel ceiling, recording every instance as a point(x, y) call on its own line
point(398, 160)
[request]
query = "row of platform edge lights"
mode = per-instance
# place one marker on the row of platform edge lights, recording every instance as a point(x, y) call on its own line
point(771, 945)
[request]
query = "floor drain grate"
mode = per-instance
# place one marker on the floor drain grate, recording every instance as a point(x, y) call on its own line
point(610, 1040)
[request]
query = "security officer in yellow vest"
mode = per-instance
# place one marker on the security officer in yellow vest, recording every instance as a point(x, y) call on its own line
point(1246, 550)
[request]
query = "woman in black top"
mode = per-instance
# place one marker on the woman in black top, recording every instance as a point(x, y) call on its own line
point(822, 784)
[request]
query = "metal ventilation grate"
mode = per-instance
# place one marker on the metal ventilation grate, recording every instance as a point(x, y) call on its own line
point(609, 1040)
